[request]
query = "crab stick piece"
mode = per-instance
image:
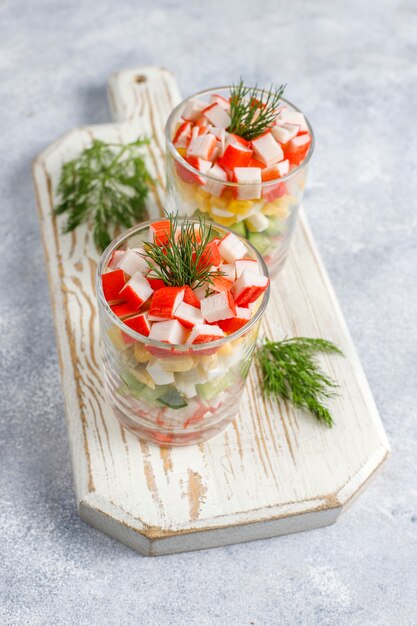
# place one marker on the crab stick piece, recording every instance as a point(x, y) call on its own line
point(193, 109)
point(215, 98)
point(203, 333)
point(241, 265)
point(165, 301)
point(241, 318)
point(266, 149)
point(183, 135)
point(235, 156)
point(188, 315)
point(248, 287)
point(170, 331)
point(219, 306)
point(297, 148)
point(285, 133)
point(202, 147)
point(113, 283)
point(276, 171)
point(115, 258)
point(123, 310)
point(231, 248)
point(138, 323)
point(294, 117)
point(217, 115)
point(137, 290)
point(131, 262)
point(249, 179)
point(159, 232)
point(191, 298)
point(216, 189)
point(211, 256)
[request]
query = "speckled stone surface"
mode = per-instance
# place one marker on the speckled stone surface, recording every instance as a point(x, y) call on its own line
point(353, 68)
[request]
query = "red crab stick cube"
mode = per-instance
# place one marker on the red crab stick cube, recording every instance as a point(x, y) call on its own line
point(113, 283)
point(248, 287)
point(276, 171)
point(170, 331)
point(235, 156)
point(164, 302)
point(219, 306)
point(123, 310)
point(183, 135)
point(202, 146)
point(203, 333)
point(190, 297)
point(138, 323)
point(137, 290)
point(249, 179)
point(241, 318)
point(159, 232)
point(188, 315)
point(297, 148)
point(217, 115)
point(231, 248)
point(190, 177)
point(266, 149)
point(211, 256)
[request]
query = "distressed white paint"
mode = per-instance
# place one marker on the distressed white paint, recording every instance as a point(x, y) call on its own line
point(275, 470)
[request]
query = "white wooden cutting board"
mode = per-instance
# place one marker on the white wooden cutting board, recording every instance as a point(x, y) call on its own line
point(275, 470)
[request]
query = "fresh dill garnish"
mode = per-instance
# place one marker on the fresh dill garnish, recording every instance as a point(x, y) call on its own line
point(183, 259)
point(290, 372)
point(107, 184)
point(253, 110)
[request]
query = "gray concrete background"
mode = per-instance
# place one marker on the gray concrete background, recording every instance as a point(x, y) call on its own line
point(353, 68)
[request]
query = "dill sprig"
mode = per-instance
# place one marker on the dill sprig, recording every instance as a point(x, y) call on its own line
point(183, 259)
point(252, 111)
point(290, 372)
point(106, 184)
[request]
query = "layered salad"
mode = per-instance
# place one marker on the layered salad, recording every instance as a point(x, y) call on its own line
point(177, 327)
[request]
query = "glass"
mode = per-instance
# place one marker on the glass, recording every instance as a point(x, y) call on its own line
point(204, 382)
point(190, 192)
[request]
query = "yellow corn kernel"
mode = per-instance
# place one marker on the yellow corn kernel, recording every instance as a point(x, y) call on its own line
point(240, 207)
point(116, 338)
point(141, 354)
point(144, 377)
point(182, 151)
point(177, 363)
point(225, 350)
point(272, 209)
point(223, 221)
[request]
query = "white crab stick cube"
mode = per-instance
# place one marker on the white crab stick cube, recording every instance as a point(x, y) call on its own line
point(221, 135)
point(202, 146)
point(248, 287)
point(203, 333)
point(241, 265)
point(193, 109)
point(137, 290)
point(229, 271)
point(249, 179)
point(159, 375)
point(131, 262)
point(217, 98)
point(188, 315)
point(216, 189)
point(231, 248)
point(284, 133)
point(266, 149)
point(219, 306)
point(294, 117)
point(169, 332)
point(217, 115)
point(115, 258)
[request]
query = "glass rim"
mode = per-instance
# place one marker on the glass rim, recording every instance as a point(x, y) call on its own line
point(180, 347)
point(231, 184)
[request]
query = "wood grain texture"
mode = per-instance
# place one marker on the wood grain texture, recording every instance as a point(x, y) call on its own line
point(274, 470)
